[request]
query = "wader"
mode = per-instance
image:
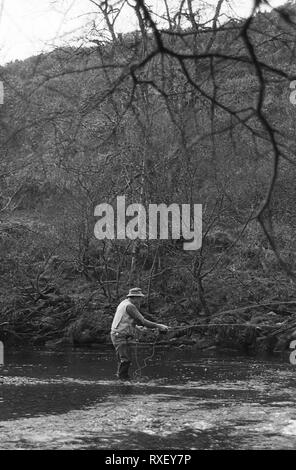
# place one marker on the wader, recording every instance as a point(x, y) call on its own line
point(123, 353)
point(122, 331)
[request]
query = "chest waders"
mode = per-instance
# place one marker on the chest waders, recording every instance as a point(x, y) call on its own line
point(122, 330)
point(123, 354)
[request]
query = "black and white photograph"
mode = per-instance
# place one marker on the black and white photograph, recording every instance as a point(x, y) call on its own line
point(147, 228)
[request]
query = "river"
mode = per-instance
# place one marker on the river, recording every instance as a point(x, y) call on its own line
point(181, 400)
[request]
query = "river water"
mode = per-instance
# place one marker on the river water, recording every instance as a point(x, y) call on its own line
point(181, 400)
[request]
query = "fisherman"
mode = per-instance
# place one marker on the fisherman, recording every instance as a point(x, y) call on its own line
point(123, 329)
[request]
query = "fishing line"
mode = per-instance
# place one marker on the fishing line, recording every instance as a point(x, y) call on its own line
point(138, 372)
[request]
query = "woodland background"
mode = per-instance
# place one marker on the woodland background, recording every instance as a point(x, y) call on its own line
point(182, 110)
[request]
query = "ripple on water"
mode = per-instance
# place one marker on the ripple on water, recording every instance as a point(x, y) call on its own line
point(118, 418)
point(231, 404)
point(136, 421)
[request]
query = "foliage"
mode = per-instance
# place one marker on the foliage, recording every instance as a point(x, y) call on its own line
point(183, 117)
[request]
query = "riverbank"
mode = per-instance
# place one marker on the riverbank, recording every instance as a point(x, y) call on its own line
point(250, 307)
point(57, 321)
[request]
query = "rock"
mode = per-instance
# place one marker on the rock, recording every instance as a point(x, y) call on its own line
point(84, 336)
point(271, 314)
point(284, 340)
point(210, 348)
point(203, 343)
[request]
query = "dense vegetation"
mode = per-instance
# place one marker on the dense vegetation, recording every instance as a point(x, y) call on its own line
point(180, 115)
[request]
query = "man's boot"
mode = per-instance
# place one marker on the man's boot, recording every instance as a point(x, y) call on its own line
point(123, 368)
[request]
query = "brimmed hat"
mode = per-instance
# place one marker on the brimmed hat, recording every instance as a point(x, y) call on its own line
point(135, 292)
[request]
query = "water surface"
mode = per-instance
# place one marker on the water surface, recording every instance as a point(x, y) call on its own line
point(181, 400)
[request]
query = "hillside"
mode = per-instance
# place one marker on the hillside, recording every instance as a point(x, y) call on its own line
point(196, 122)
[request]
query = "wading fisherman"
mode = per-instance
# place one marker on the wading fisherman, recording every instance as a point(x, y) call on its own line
point(123, 329)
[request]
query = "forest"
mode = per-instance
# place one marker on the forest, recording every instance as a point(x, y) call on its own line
point(184, 110)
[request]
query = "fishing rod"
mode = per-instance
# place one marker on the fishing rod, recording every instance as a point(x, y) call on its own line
point(209, 324)
point(196, 325)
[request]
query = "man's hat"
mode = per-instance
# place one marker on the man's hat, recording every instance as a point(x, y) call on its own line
point(135, 292)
